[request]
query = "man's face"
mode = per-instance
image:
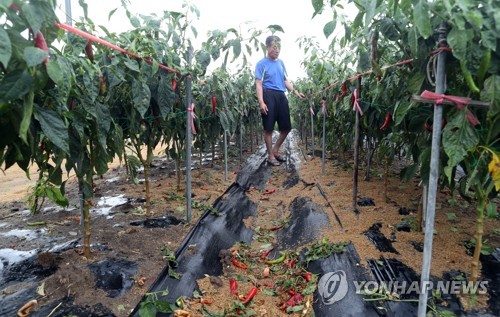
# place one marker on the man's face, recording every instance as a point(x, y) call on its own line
point(273, 50)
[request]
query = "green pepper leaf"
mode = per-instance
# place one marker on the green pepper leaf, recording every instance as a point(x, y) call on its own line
point(5, 48)
point(422, 18)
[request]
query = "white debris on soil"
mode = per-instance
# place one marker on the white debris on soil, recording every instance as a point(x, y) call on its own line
point(9, 256)
point(25, 233)
point(107, 203)
point(292, 146)
point(112, 180)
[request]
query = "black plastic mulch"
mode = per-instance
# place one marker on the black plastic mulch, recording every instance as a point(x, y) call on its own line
point(307, 220)
point(115, 276)
point(163, 222)
point(68, 308)
point(347, 266)
point(381, 242)
point(491, 271)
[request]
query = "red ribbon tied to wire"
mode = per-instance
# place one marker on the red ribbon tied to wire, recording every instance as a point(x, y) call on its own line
point(460, 102)
point(323, 107)
point(193, 116)
point(355, 102)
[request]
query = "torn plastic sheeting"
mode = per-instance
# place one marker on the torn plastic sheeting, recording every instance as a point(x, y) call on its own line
point(351, 304)
point(68, 308)
point(491, 271)
point(199, 252)
point(387, 271)
point(23, 274)
point(366, 201)
point(378, 239)
point(162, 222)
point(292, 179)
point(29, 268)
point(307, 220)
point(114, 276)
point(254, 173)
point(10, 303)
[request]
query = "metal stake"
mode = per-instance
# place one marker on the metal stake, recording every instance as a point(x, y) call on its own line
point(225, 155)
point(434, 175)
point(189, 99)
point(324, 137)
point(356, 154)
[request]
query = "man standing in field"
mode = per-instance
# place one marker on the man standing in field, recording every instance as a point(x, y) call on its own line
point(271, 84)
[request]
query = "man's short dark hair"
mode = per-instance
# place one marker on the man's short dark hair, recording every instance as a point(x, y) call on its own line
point(272, 38)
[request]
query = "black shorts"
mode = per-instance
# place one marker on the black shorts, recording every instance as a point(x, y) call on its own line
point(277, 111)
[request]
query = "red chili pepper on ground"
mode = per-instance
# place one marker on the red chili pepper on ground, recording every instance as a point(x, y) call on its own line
point(214, 103)
point(266, 253)
point(308, 277)
point(232, 287)
point(388, 118)
point(277, 227)
point(88, 51)
point(296, 299)
point(174, 84)
point(269, 191)
point(238, 264)
point(42, 44)
point(206, 301)
point(250, 295)
point(292, 263)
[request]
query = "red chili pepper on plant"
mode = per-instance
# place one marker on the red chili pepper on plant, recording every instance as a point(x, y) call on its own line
point(238, 264)
point(388, 118)
point(88, 51)
point(344, 91)
point(250, 295)
point(174, 84)
point(42, 44)
point(214, 103)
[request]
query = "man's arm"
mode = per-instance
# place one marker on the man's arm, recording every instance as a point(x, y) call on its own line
point(260, 96)
point(290, 88)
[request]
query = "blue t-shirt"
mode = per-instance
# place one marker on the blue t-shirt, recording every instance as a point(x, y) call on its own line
point(272, 73)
